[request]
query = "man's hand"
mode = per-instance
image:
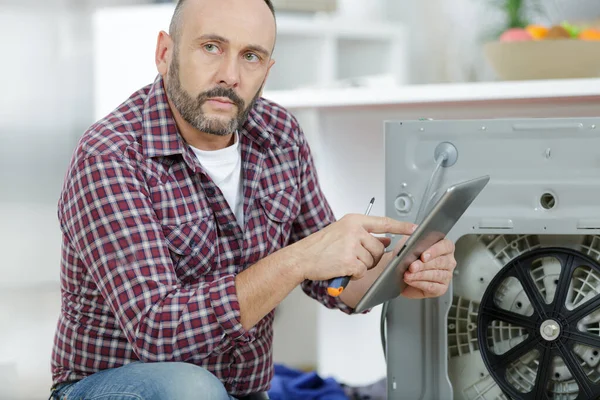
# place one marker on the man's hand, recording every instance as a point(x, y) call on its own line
point(346, 247)
point(431, 274)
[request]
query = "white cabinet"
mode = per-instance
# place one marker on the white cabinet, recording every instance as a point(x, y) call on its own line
point(324, 51)
point(313, 50)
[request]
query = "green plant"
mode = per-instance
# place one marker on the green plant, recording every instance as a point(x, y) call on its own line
point(517, 13)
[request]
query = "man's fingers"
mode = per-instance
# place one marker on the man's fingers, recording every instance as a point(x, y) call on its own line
point(385, 241)
point(441, 248)
point(360, 270)
point(431, 274)
point(430, 289)
point(365, 256)
point(446, 262)
point(387, 225)
point(436, 275)
point(421, 290)
point(415, 266)
point(374, 246)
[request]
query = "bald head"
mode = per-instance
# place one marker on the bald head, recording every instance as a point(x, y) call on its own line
point(177, 19)
point(215, 61)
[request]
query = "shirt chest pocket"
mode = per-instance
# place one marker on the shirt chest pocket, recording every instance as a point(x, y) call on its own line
point(192, 246)
point(280, 209)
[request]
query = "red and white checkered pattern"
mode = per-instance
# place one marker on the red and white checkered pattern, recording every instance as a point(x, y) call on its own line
point(151, 247)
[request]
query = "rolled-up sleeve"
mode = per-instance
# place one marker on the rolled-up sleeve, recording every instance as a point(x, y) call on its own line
point(315, 214)
point(108, 216)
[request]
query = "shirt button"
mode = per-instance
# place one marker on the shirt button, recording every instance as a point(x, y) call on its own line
point(209, 191)
point(228, 227)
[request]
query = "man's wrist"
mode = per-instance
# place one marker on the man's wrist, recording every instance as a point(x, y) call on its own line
point(290, 265)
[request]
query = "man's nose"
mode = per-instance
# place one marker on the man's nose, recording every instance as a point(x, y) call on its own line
point(229, 72)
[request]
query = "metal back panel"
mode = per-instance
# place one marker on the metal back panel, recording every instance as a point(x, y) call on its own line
point(545, 179)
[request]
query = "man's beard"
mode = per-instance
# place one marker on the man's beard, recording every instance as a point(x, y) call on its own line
point(191, 109)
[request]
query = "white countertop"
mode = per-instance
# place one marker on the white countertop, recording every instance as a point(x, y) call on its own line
point(437, 93)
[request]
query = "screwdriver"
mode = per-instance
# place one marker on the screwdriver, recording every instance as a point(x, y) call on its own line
point(337, 285)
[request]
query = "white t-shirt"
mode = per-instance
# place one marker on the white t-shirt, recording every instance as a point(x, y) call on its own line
point(224, 166)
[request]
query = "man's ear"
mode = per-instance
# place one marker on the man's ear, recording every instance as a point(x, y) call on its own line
point(271, 63)
point(164, 53)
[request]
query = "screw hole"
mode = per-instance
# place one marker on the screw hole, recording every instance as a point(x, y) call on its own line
point(548, 201)
point(481, 279)
point(556, 281)
point(519, 304)
point(595, 353)
point(557, 375)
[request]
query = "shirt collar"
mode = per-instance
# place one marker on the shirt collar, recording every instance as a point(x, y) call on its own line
point(256, 128)
point(161, 136)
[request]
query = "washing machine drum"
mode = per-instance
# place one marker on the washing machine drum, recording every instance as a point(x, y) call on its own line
point(538, 323)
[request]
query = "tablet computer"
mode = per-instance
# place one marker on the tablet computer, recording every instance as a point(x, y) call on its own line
point(435, 226)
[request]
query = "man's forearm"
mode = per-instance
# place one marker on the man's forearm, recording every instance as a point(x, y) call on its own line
point(264, 285)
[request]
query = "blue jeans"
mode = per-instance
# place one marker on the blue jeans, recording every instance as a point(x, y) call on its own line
point(146, 381)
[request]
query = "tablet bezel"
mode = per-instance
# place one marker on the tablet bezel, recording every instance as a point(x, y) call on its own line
point(435, 226)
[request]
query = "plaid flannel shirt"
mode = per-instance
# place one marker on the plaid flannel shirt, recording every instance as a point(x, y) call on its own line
point(151, 248)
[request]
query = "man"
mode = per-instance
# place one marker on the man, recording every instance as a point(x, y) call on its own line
point(190, 212)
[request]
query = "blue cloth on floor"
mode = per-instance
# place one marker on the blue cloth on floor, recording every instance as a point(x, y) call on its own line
point(290, 384)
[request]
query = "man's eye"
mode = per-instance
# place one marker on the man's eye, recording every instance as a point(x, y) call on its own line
point(211, 48)
point(251, 57)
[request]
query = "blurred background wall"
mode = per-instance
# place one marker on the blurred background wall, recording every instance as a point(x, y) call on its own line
point(46, 103)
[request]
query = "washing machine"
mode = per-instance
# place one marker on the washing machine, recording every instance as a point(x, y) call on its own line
point(521, 318)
